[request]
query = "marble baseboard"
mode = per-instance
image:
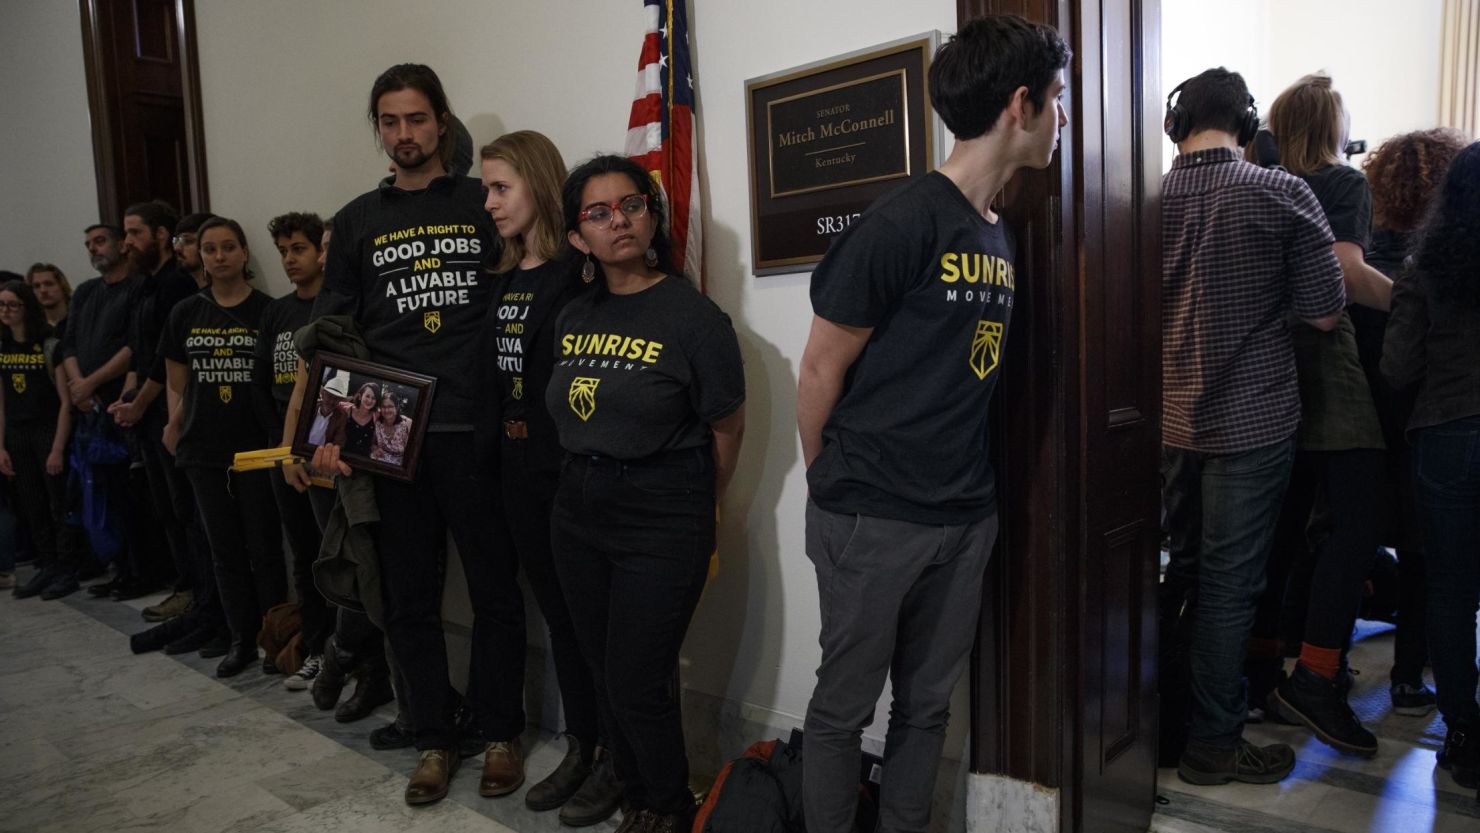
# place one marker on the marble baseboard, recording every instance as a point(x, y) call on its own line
point(999, 804)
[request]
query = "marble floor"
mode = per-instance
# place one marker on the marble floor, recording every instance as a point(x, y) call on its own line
point(93, 738)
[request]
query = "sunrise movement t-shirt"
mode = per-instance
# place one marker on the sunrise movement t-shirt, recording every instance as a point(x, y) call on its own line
point(643, 373)
point(277, 358)
point(408, 267)
point(511, 316)
point(28, 381)
point(908, 437)
point(217, 345)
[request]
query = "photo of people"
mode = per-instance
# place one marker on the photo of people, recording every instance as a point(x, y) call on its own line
point(370, 416)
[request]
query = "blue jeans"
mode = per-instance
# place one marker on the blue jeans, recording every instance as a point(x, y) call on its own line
point(1221, 511)
point(1446, 466)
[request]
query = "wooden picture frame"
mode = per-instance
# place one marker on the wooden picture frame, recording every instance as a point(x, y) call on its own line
point(328, 415)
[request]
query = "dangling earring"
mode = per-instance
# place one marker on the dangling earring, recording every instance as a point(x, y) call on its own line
point(588, 270)
point(651, 258)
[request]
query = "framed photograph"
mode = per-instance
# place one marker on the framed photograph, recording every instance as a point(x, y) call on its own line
point(377, 415)
point(827, 139)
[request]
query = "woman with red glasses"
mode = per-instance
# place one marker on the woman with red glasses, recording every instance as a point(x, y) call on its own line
point(647, 393)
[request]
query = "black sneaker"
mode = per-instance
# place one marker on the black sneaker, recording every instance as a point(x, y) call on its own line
point(37, 583)
point(65, 584)
point(1461, 756)
point(599, 795)
point(1319, 704)
point(1209, 765)
point(103, 590)
point(1412, 700)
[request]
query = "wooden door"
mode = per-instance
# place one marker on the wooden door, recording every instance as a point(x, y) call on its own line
point(144, 94)
point(1064, 672)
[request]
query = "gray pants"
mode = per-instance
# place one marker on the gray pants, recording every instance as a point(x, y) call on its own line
point(901, 600)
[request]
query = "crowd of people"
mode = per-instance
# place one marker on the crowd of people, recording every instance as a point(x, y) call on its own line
point(1320, 407)
point(589, 410)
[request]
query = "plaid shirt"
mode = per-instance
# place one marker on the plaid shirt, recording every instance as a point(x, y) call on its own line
point(1243, 249)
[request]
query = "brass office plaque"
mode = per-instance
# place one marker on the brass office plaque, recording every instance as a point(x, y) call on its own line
point(847, 134)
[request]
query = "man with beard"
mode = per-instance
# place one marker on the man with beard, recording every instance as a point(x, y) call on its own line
point(187, 247)
point(407, 264)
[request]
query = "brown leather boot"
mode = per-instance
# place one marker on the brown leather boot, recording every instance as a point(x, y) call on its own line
point(433, 774)
point(503, 768)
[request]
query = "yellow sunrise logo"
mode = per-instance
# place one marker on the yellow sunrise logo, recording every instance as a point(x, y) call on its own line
point(225, 393)
point(582, 396)
point(432, 320)
point(18, 382)
point(986, 346)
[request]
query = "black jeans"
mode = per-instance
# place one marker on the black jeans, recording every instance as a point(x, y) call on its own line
point(41, 498)
point(632, 542)
point(529, 498)
point(451, 493)
point(1318, 569)
point(246, 545)
point(174, 503)
point(304, 537)
point(1447, 471)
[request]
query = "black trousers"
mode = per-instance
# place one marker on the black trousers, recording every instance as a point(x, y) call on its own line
point(451, 494)
point(246, 545)
point(174, 503)
point(528, 501)
point(1325, 542)
point(632, 542)
point(41, 498)
point(304, 537)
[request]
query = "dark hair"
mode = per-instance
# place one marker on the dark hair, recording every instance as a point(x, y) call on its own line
point(62, 280)
point(575, 186)
point(975, 73)
point(191, 223)
point(236, 229)
point(1214, 99)
point(113, 231)
point(1405, 172)
point(33, 316)
point(1448, 251)
point(155, 214)
point(360, 391)
point(306, 223)
point(424, 80)
point(386, 394)
point(329, 224)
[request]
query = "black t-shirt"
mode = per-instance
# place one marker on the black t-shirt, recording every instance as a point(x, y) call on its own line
point(643, 373)
point(510, 333)
point(99, 328)
point(277, 358)
point(27, 380)
point(155, 296)
point(908, 437)
point(359, 439)
point(408, 267)
point(1346, 198)
point(217, 345)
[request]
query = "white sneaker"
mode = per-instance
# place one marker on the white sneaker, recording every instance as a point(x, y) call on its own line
point(303, 678)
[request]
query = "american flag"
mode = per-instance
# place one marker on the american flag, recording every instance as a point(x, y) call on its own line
point(661, 130)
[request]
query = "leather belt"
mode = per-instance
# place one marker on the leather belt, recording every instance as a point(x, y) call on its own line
point(516, 429)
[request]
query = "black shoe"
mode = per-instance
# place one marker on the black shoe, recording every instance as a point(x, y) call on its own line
point(1209, 766)
point(90, 569)
point(63, 585)
point(470, 740)
point(37, 583)
point(599, 795)
point(237, 660)
point(370, 693)
point(132, 589)
point(192, 641)
point(218, 646)
point(1412, 699)
point(560, 785)
point(1319, 704)
point(393, 735)
point(1461, 756)
point(269, 666)
point(103, 590)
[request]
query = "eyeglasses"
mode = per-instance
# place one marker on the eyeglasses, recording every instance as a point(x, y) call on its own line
point(11, 305)
point(183, 240)
point(632, 206)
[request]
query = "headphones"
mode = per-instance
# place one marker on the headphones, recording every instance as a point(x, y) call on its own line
point(1178, 123)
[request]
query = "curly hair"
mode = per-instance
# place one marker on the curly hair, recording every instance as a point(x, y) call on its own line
point(1448, 252)
point(1405, 172)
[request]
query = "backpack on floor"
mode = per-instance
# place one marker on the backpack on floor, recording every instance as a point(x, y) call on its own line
point(281, 637)
point(761, 792)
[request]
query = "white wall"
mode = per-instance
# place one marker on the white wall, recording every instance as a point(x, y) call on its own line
point(1382, 56)
point(285, 86)
point(48, 192)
